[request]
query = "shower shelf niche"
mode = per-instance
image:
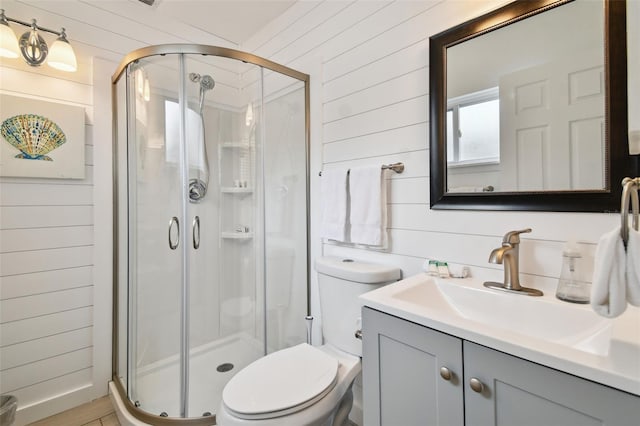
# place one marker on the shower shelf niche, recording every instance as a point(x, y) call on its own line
point(241, 145)
point(235, 190)
point(229, 235)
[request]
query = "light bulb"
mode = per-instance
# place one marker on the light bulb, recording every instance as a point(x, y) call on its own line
point(8, 41)
point(61, 55)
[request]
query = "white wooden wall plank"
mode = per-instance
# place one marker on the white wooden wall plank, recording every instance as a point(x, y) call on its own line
point(88, 179)
point(557, 227)
point(45, 87)
point(17, 240)
point(88, 154)
point(45, 303)
point(47, 369)
point(388, 142)
point(279, 24)
point(44, 260)
point(29, 284)
point(406, 113)
point(31, 329)
point(389, 92)
point(409, 191)
point(351, 13)
point(23, 217)
point(381, 22)
point(82, 74)
point(430, 20)
point(324, 11)
point(411, 58)
point(46, 347)
point(27, 194)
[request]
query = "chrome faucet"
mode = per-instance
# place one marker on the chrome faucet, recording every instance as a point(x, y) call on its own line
point(509, 255)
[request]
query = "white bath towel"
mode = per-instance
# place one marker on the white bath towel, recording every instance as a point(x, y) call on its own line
point(608, 290)
point(368, 206)
point(633, 268)
point(333, 193)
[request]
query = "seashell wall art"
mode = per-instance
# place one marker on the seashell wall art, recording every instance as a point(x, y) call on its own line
point(41, 139)
point(33, 135)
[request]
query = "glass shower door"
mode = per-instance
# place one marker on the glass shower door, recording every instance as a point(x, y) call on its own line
point(226, 284)
point(156, 230)
point(205, 285)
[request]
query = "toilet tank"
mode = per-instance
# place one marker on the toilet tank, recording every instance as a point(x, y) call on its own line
point(340, 282)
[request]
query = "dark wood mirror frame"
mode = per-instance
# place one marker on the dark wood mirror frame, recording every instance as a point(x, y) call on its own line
point(618, 161)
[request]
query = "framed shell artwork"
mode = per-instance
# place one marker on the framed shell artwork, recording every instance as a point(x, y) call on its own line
point(41, 139)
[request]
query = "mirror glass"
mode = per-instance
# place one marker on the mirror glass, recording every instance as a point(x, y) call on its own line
point(528, 106)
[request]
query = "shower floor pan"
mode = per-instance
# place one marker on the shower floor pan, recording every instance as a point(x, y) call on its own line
point(159, 383)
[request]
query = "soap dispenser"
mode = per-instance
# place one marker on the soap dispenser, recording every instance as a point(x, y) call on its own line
point(570, 287)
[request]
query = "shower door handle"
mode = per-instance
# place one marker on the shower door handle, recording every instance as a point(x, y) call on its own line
point(174, 221)
point(196, 232)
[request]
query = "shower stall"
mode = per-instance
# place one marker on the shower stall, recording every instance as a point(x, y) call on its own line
point(211, 265)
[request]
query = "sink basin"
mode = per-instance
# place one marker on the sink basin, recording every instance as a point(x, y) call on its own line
point(544, 318)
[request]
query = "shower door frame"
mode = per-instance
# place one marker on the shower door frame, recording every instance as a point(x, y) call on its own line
point(185, 49)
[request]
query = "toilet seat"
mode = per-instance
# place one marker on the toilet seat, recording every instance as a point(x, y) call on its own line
point(281, 383)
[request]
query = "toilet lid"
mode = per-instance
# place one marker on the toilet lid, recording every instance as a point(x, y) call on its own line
point(286, 380)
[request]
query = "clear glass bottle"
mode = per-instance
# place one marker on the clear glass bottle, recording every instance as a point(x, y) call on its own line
point(571, 286)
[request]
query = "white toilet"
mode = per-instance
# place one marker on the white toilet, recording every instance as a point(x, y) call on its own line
point(307, 385)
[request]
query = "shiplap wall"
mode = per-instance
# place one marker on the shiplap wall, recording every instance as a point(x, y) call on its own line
point(46, 262)
point(368, 62)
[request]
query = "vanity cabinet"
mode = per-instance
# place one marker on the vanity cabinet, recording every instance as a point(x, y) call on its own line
point(404, 383)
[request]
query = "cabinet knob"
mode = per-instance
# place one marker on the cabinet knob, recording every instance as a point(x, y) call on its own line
point(476, 385)
point(445, 373)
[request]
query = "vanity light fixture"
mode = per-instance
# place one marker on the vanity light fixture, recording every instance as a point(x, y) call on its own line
point(34, 48)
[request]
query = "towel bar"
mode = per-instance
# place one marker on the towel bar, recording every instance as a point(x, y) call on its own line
point(629, 192)
point(396, 167)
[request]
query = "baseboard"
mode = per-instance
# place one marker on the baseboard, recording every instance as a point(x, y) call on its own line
point(54, 405)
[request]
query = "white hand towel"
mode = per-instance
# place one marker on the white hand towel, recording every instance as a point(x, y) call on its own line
point(368, 206)
point(633, 268)
point(333, 193)
point(608, 290)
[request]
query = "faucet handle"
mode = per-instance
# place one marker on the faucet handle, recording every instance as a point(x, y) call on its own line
point(513, 237)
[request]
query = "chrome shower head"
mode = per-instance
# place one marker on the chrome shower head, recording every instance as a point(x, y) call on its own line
point(207, 82)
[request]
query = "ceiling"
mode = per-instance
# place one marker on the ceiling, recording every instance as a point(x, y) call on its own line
point(232, 20)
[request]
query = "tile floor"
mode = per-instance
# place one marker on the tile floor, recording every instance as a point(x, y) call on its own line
point(95, 413)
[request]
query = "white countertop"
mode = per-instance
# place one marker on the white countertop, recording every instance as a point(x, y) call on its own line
point(607, 351)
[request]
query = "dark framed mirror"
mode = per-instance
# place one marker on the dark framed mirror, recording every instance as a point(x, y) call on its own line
point(528, 109)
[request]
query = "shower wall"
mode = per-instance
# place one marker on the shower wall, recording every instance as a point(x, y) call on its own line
point(217, 310)
point(285, 189)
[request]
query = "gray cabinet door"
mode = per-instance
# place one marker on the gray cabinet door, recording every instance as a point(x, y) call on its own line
point(517, 392)
point(401, 365)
